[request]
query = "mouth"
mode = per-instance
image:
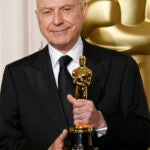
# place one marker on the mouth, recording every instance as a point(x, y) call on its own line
point(60, 30)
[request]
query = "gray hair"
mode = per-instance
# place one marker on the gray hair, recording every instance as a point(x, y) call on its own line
point(35, 3)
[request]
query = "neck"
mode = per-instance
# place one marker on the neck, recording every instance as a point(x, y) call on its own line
point(64, 48)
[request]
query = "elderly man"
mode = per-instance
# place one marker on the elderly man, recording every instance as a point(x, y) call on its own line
point(33, 113)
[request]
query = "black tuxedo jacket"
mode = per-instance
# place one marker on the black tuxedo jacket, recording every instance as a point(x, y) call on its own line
point(31, 115)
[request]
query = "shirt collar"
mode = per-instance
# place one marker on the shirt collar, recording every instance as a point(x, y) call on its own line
point(75, 52)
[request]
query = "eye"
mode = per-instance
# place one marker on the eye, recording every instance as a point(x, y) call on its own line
point(47, 12)
point(67, 9)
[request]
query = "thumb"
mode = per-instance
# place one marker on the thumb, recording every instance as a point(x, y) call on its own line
point(71, 99)
point(59, 142)
point(63, 135)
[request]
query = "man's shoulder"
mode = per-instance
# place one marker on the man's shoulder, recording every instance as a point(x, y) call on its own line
point(30, 59)
point(100, 54)
point(103, 53)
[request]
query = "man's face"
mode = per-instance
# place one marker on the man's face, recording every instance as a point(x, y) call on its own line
point(61, 21)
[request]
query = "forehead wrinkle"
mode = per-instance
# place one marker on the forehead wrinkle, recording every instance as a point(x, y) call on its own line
point(59, 7)
point(55, 4)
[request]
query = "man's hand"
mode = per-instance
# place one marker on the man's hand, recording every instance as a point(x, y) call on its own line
point(59, 142)
point(85, 113)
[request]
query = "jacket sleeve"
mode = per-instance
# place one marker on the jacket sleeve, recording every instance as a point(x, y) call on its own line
point(11, 135)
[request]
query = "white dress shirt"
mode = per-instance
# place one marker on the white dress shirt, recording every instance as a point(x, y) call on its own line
point(74, 53)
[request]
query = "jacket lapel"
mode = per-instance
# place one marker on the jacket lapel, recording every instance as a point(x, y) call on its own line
point(100, 70)
point(43, 83)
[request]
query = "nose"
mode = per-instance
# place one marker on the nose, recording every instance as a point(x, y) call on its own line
point(58, 18)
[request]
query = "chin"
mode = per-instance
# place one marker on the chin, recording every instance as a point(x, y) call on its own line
point(61, 42)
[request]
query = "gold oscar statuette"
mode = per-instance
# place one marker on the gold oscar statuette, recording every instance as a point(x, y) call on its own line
point(80, 136)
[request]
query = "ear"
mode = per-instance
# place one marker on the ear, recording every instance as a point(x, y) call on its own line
point(84, 9)
point(37, 14)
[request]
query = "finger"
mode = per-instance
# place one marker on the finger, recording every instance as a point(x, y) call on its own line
point(71, 99)
point(61, 139)
point(59, 142)
point(79, 110)
point(77, 117)
point(85, 117)
point(63, 135)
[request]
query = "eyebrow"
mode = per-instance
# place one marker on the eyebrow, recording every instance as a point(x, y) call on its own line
point(48, 8)
point(44, 8)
